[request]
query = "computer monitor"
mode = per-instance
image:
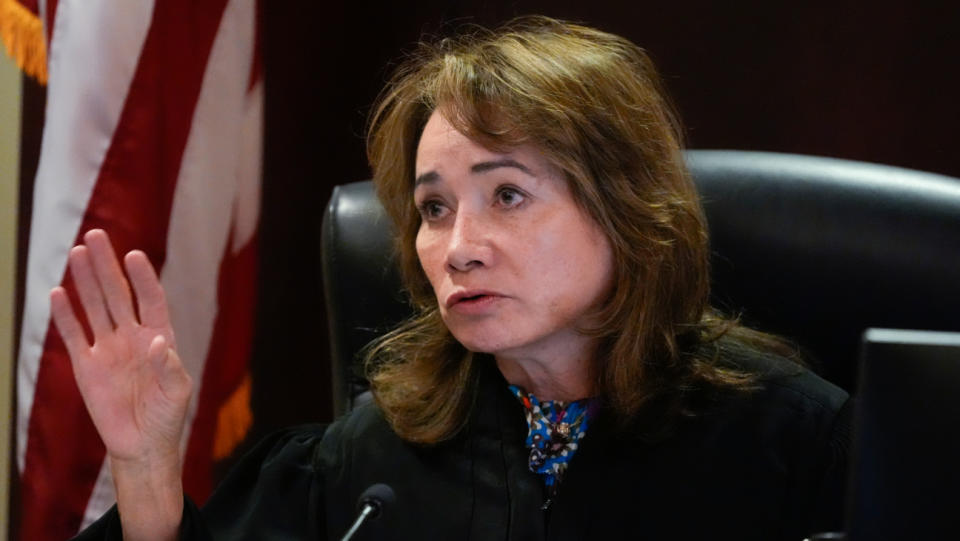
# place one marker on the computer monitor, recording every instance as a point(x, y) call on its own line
point(905, 469)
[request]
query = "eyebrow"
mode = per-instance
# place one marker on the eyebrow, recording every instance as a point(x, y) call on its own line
point(426, 178)
point(481, 167)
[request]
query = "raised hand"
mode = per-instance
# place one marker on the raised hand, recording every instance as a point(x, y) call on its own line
point(131, 379)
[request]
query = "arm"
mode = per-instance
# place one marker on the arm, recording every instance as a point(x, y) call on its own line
point(131, 379)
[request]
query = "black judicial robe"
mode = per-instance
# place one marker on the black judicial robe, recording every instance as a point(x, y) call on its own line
point(769, 465)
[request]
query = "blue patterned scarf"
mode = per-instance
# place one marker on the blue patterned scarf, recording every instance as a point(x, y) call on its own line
point(555, 430)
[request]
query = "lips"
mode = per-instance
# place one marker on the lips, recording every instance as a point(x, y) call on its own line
point(470, 297)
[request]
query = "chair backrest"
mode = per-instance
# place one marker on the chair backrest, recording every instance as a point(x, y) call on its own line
point(815, 249)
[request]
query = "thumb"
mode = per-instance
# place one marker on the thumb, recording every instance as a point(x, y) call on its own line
point(172, 377)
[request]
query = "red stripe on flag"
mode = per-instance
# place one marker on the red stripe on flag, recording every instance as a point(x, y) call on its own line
point(50, 15)
point(226, 364)
point(131, 200)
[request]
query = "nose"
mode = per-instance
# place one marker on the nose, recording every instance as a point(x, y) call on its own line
point(468, 246)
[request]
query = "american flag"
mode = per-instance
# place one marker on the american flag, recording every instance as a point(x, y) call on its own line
point(153, 133)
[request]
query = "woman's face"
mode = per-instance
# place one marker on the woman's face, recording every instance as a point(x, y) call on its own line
point(513, 260)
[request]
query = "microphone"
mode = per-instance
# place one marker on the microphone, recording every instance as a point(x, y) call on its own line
point(370, 505)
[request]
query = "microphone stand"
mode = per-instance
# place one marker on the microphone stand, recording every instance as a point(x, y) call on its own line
point(368, 509)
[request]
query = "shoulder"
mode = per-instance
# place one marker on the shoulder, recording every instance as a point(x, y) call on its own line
point(364, 422)
point(777, 449)
point(790, 409)
point(295, 436)
point(797, 427)
point(784, 381)
point(289, 449)
point(289, 444)
point(361, 435)
point(792, 389)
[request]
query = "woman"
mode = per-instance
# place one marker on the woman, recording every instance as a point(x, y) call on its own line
point(564, 376)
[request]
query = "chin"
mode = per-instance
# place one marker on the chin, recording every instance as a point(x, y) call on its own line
point(477, 346)
point(479, 342)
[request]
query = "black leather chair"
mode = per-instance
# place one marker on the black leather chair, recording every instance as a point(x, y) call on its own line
point(815, 249)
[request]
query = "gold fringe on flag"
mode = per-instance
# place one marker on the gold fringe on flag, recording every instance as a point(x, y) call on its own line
point(233, 421)
point(22, 33)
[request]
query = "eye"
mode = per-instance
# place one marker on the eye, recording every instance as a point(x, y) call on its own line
point(432, 210)
point(510, 197)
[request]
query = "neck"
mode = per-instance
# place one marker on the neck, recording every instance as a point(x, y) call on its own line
point(565, 376)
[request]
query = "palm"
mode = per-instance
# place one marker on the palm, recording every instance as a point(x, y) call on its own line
point(132, 382)
point(123, 395)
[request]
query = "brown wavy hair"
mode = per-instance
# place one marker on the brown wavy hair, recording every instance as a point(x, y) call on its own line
point(593, 104)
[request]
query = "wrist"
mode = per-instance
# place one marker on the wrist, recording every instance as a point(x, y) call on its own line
point(149, 497)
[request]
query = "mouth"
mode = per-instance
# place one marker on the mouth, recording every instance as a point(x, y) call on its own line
point(467, 298)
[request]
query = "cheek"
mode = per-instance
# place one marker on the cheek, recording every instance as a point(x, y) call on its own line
point(586, 267)
point(431, 260)
point(599, 251)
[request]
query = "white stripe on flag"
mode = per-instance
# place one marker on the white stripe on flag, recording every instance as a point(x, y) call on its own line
point(91, 62)
point(249, 171)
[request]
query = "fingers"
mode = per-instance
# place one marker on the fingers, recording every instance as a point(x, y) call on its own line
point(106, 267)
point(88, 289)
point(151, 300)
point(67, 323)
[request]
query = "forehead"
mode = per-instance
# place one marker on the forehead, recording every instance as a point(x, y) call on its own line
point(443, 149)
point(441, 141)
